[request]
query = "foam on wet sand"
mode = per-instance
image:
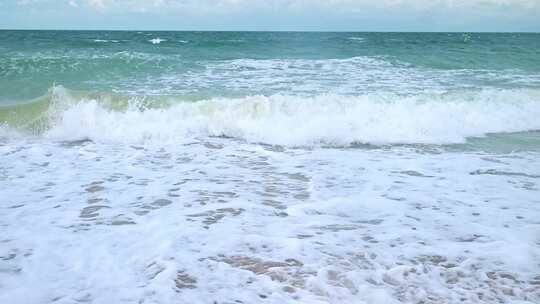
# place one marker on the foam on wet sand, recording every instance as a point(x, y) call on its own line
point(226, 221)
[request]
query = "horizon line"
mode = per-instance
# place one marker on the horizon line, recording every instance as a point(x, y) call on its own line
point(263, 31)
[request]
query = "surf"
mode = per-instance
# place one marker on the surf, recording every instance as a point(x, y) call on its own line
point(335, 120)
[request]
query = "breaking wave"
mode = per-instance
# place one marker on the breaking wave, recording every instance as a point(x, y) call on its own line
point(427, 118)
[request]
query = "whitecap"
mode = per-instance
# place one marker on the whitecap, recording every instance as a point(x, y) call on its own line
point(332, 120)
point(157, 40)
point(105, 40)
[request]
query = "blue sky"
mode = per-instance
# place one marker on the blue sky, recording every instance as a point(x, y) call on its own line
point(332, 15)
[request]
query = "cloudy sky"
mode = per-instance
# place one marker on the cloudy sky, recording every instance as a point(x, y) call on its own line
point(332, 15)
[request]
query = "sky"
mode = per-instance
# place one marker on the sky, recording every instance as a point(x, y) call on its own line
point(294, 15)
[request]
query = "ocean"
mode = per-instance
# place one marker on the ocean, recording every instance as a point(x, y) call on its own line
point(269, 167)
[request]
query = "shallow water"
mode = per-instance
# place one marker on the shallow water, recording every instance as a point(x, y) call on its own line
point(219, 220)
point(286, 171)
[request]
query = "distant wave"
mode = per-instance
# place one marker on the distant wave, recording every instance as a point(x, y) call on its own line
point(156, 40)
point(360, 39)
point(281, 119)
point(105, 40)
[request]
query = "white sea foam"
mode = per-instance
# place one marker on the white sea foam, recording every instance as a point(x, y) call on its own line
point(297, 121)
point(156, 40)
point(105, 40)
point(306, 77)
point(309, 77)
point(228, 222)
point(7, 132)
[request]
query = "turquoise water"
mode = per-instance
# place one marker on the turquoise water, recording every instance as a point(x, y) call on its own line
point(245, 167)
point(464, 85)
point(217, 63)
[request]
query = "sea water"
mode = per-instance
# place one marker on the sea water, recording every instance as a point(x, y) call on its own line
point(247, 167)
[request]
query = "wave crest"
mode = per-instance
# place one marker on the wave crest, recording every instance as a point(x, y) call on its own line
point(294, 121)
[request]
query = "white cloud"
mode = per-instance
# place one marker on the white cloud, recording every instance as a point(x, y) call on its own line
point(225, 6)
point(98, 4)
point(339, 6)
point(506, 15)
point(24, 2)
